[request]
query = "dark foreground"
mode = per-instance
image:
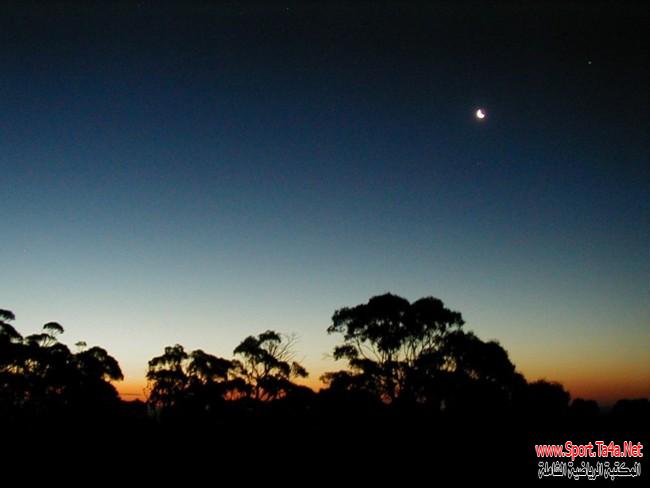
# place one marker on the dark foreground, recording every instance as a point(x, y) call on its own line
point(281, 446)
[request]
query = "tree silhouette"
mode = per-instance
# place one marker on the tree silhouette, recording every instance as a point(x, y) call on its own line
point(97, 364)
point(387, 339)
point(416, 353)
point(634, 410)
point(546, 399)
point(197, 380)
point(39, 375)
point(584, 409)
point(465, 369)
point(95, 370)
point(212, 379)
point(53, 328)
point(7, 331)
point(268, 364)
point(207, 368)
point(13, 386)
point(167, 377)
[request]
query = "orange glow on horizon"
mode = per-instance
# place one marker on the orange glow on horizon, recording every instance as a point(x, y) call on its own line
point(131, 390)
point(604, 388)
point(134, 390)
point(605, 381)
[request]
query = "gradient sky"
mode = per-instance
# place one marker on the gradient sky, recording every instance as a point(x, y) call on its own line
point(195, 175)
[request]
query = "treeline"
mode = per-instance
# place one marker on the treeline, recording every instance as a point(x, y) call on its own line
point(401, 357)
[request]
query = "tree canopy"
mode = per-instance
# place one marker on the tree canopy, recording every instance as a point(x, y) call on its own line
point(268, 364)
point(412, 352)
point(40, 374)
point(201, 381)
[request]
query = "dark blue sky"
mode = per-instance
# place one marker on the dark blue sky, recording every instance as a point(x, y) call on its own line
point(196, 174)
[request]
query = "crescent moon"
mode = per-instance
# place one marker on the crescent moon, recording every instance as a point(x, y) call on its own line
point(480, 114)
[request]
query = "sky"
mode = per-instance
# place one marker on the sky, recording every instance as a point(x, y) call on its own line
point(196, 174)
